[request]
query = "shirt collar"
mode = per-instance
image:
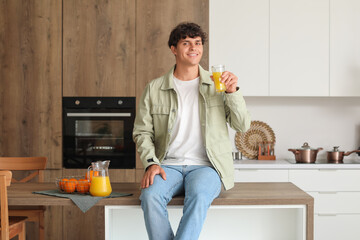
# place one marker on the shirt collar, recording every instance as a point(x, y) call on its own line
point(168, 82)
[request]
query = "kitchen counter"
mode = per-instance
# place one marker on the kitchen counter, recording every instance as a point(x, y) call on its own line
point(259, 196)
point(290, 164)
point(21, 194)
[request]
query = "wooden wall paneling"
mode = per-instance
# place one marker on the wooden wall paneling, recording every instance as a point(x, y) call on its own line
point(139, 174)
point(154, 22)
point(116, 175)
point(54, 223)
point(79, 225)
point(30, 79)
point(99, 48)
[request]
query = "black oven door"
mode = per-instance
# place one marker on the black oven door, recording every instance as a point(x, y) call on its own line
point(98, 134)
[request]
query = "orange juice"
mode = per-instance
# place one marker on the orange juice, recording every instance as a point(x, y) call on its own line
point(100, 186)
point(219, 86)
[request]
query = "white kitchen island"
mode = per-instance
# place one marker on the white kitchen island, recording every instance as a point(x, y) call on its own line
point(255, 211)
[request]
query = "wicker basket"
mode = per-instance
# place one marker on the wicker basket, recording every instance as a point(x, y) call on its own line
point(248, 142)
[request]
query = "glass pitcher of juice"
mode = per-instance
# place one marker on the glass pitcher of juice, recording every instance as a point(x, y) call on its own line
point(100, 182)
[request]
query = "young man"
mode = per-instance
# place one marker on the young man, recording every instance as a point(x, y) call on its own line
point(182, 137)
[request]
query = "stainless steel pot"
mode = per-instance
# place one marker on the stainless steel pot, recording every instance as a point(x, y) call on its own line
point(337, 156)
point(305, 154)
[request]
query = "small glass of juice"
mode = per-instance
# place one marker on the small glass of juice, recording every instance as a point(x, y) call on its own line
point(217, 70)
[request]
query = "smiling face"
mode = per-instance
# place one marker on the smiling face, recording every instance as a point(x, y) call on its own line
point(188, 51)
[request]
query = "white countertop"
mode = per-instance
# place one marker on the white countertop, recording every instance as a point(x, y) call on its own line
point(290, 164)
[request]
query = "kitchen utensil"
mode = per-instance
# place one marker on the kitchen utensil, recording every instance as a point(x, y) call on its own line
point(337, 156)
point(266, 151)
point(237, 155)
point(305, 154)
point(248, 142)
point(100, 182)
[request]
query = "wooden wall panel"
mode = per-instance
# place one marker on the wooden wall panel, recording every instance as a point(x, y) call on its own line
point(99, 48)
point(116, 175)
point(30, 79)
point(30, 88)
point(154, 22)
point(89, 226)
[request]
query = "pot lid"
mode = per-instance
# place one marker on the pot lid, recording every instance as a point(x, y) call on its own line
point(335, 149)
point(306, 146)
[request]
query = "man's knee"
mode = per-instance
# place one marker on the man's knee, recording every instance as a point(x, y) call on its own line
point(149, 198)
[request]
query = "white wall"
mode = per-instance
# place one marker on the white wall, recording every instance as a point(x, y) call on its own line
point(320, 121)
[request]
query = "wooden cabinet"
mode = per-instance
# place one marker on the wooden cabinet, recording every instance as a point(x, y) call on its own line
point(31, 90)
point(99, 48)
point(240, 41)
point(30, 79)
point(154, 22)
point(344, 48)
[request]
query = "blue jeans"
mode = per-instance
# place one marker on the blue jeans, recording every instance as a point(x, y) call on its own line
point(201, 185)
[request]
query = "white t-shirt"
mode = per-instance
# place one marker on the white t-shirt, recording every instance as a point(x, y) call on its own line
point(186, 142)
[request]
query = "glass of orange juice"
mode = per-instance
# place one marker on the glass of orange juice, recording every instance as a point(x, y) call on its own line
point(217, 70)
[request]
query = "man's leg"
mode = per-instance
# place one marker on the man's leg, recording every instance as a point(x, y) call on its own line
point(202, 186)
point(154, 200)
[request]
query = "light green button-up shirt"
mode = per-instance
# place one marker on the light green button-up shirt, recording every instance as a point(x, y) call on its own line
point(157, 112)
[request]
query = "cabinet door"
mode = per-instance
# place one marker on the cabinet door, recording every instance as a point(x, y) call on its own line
point(326, 180)
point(99, 48)
point(260, 175)
point(344, 48)
point(30, 79)
point(335, 227)
point(336, 202)
point(239, 39)
point(299, 48)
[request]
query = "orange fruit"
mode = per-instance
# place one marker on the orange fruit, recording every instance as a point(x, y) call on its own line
point(74, 180)
point(83, 186)
point(62, 183)
point(69, 186)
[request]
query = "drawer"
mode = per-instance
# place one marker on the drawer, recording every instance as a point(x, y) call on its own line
point(335, 227)
point(326, 180)
point(260, 175)
point(336, 202)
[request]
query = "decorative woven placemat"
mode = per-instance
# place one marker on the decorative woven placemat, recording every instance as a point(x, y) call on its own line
point(248, 142)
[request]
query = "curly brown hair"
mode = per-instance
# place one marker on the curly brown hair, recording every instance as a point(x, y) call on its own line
point(184, 30)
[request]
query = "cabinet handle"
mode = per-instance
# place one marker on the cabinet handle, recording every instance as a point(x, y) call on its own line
point(329, 192)
point(328, 170)
point(327, 214)
point(98, 114)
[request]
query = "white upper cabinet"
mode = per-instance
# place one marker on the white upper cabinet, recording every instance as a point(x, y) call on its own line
point(345, 48)
point(288, 47)
point(239, 39)
point(299, 48)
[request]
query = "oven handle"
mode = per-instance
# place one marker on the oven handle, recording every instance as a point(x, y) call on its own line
point(98, 114)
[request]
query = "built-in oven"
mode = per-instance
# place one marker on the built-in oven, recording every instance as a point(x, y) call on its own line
point(98, 128)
